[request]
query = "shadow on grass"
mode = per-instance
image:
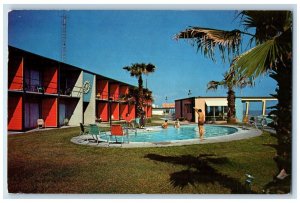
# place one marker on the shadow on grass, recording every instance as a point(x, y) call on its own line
point(199, 171)
point(277, 186)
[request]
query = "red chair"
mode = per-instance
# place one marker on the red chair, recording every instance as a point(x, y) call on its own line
point(117, 131)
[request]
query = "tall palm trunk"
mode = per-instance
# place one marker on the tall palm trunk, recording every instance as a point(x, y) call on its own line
point(283, 112)
point(231, 106)
point(140, 97)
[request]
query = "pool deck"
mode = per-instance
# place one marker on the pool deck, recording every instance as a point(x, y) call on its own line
point(242, 133)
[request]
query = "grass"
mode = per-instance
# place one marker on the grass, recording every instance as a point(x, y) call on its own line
point(47, 162)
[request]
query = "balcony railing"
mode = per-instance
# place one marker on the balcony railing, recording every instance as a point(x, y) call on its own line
point(102, 95)
point(114, 97)
point(76, 91)
point(36, 85)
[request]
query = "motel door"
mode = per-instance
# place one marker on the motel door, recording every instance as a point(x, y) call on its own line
point(31, 114)
point(62, 113)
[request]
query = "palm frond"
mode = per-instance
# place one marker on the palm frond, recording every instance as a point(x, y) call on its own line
point(207, 40)
point(149, 68)
point(213, 85)
point(259, 59)
point(267, 24)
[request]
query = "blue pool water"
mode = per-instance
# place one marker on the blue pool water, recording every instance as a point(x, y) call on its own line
point(157, 134)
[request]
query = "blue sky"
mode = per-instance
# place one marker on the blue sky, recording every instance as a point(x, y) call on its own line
point(106, 41)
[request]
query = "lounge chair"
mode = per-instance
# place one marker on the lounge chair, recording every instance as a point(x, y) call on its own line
point(95, 133)
point(117, 131)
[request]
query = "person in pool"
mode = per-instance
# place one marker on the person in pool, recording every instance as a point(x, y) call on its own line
point(177, 123)
point(165, 124)
point(201, 121)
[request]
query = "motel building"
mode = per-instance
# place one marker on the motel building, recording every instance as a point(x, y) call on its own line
point(216, 108)
point(61, 94)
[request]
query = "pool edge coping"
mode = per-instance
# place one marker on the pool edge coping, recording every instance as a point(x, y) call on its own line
point(242, 133)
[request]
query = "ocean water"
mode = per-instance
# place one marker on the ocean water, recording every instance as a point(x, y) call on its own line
point(257, 112)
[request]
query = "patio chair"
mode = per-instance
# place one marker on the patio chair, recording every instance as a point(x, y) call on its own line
point(83, 130)
point(259, 122)
point(117, 131)
point(40, 123)
point(95, 133)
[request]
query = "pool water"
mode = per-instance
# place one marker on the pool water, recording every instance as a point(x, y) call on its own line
point(157, 134)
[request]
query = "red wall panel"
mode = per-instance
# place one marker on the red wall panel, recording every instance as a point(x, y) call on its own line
point(102, 89)
point(50, 80)
point(49, 112)
point(123, 111)
point(115, 111)
point(124, 90)
point(15, 74)
point(103, 111)
point(15, 118)
point(114, 91)
point(149, 112)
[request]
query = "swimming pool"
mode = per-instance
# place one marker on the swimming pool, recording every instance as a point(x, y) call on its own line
point(157, 134)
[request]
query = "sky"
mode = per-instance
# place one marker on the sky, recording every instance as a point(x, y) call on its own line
point(104, 41)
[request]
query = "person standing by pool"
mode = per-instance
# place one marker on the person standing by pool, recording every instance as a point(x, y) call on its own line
point(128, 120)
point(201, 121)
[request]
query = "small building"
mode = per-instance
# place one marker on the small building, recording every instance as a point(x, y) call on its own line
point(216, 108)
point(166, 109)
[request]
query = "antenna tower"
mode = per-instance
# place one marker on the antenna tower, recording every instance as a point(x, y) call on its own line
point(63, 36)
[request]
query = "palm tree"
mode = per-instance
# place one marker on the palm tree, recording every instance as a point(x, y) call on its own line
point(133, 93)
point(137, 70)
point(148, 95)
point(230, 81)
point(271, 54)
point(131, 96)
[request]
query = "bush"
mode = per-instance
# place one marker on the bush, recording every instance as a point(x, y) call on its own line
point(232, 121)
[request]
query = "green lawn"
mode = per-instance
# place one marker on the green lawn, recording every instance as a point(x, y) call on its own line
point(47, 162)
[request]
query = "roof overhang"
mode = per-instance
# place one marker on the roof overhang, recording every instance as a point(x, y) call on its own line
point(216, 102)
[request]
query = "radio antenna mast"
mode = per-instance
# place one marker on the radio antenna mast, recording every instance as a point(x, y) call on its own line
point(63, 36)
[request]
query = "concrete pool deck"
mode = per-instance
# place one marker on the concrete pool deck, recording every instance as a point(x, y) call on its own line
point(242, 133)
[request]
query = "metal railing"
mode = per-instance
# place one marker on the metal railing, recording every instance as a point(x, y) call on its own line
point(34, 85)
point(74, 91)
point(102, 95)
point(114, 97)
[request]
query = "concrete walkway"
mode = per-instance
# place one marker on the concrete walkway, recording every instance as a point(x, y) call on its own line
point(239, 135)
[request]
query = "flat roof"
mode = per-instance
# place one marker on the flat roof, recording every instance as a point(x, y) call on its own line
point(222, 97)
point(162, 108)
point(66, 64)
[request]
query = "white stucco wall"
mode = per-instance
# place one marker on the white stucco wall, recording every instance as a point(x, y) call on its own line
point(76, 117)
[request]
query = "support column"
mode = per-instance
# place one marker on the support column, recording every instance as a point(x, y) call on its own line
point(247, 108)
point(214, 114)
point(263, 107)
point(223, 118)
